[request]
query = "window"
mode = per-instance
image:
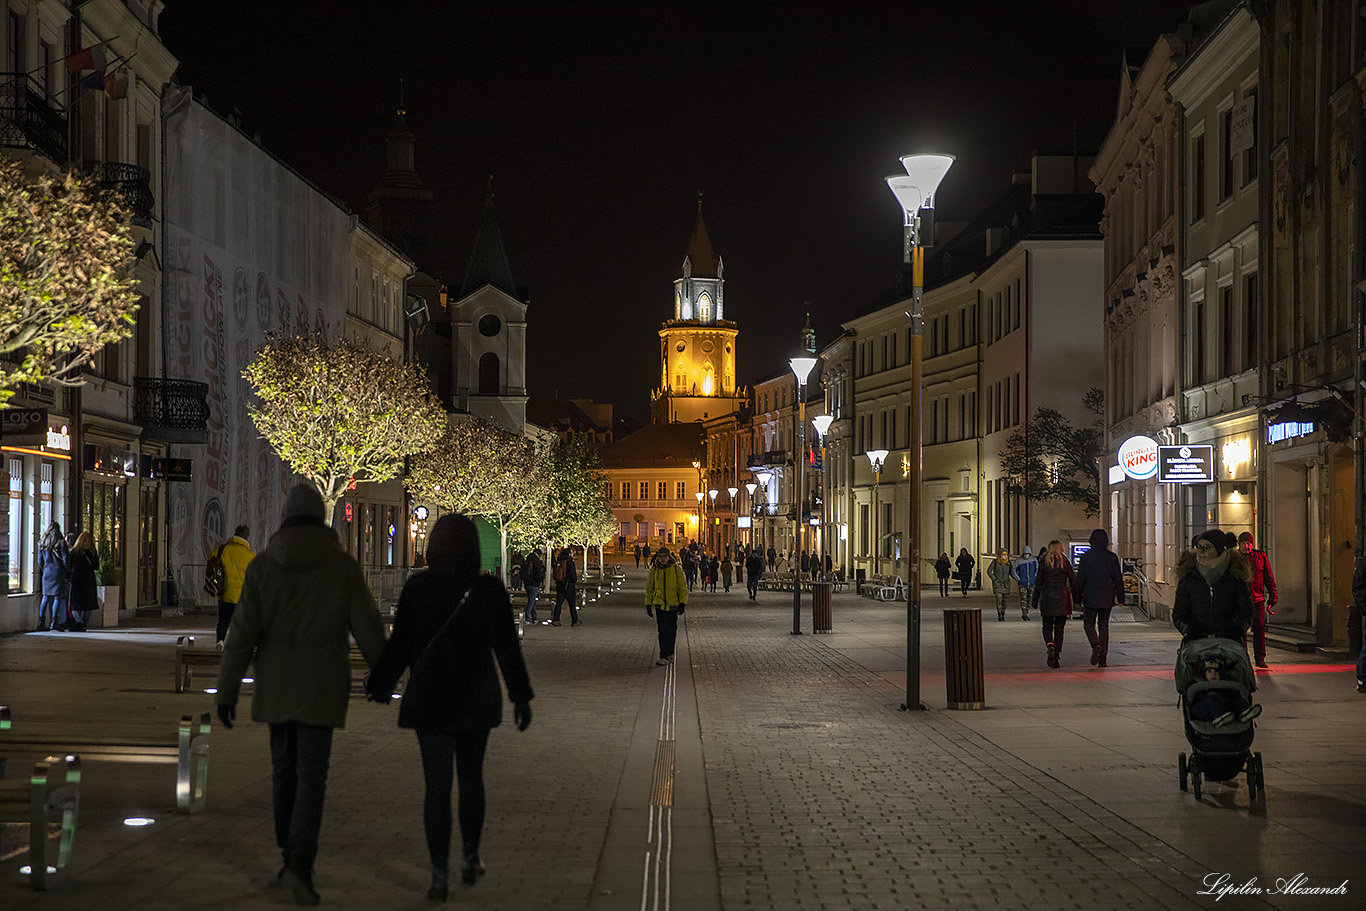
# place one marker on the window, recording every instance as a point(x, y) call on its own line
point(991, 318)
point(41, 74)
point(355, 289)
point(16, 522)
point(892, 438)
point(374, 297)
point(1250, 305)
point(934, 337)
point(1005, 403)
point(663, 490)
point(645, 490)
point(1226, 349)
point(490, 325)
point(883, 439)
point(626, 490)
point(681, 490)
point(990, 393)
point(1016, 406)
point(1019, 303)
point(1250, 153)
point(963, 328)
point(704, 307)
point(908, 339)
point(884, 531)
point(1198, 355)
point(14, 35)
point(962, 415)
point(488, 374)
point(972, 414)
point(863, 528)
point(1227, 159)
point(885, 362)
point(1198, 179)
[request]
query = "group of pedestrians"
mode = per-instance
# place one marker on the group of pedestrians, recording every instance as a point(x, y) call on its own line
point(302, 600)
point(68, 567)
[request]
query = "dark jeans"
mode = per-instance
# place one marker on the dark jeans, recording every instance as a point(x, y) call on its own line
point(299, 754)
point(966, 580)
point(943, 586)
point(753, 584)
point(225, 609)
point(466, 748)
point(667, 621)
point(1097, 626)
point(565, 593)
point(1053, 628)
point(532, 592)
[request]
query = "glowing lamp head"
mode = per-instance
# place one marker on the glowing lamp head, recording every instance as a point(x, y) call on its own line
point(732, 491)
point(750, 486)
point(822, 424)
point(712, 493)
point(876, 458)
point(916, 189)
point(802, 367)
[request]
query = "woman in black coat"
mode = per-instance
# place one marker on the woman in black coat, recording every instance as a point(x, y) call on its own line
point(964, 565)
point(1212, 596)
point(85, 563)
point(452, 699)
point(942, 568)
point(1055, 591)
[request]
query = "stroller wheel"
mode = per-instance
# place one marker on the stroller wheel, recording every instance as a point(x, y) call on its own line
point(1195, 780)
point(1181, 769)
point(1261, 778)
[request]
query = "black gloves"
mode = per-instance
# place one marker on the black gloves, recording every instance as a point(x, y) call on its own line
point(374, 694)
point(227, 713)
point(649, 611)
point(681, 608)
point(521, 713)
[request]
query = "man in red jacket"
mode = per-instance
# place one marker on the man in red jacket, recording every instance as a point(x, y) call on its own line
point(1263, 595)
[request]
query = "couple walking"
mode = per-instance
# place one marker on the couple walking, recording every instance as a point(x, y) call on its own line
point(302, 597)
point(1097, 585)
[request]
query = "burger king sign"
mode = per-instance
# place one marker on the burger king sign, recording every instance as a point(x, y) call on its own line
point(1138, 457)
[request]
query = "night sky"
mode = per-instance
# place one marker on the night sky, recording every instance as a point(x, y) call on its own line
point(601, 122)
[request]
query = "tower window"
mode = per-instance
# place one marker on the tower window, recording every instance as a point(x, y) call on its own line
point(488, 374)
point(490, 325)
point(704, 307)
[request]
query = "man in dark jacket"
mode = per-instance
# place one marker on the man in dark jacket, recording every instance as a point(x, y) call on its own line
point(754, 569)
point(566, 587)
point(533, 577)
point(1359, 602)
point(1102, 587)
point(772, 558)
point(1263, 594)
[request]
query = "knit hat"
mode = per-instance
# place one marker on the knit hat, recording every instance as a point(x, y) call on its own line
point(304, 501)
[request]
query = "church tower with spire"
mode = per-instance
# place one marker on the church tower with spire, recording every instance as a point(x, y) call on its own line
point(698, 345)
point(400, 206)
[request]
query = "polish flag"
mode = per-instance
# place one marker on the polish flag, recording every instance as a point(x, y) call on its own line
point(91, 58)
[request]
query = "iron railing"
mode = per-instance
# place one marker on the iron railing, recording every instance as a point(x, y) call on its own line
point(171, 405)
point(31, 120)
point(130, 184)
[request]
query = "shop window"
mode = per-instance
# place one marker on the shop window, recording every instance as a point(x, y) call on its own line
point(103, 505)
point(16, 525)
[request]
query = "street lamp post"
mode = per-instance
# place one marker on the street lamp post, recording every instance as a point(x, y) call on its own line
point(876, 457)
point(711, 535)
point(697, 465)
point(700, 495)
point(801, 368)
point(750, 487)
point(822, 424)
point(732, 491)
point(914, 192)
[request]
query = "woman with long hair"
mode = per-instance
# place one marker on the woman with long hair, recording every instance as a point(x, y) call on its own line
point(452, 622)
point(85, 562)
point(1055, 591)
point(54, 569)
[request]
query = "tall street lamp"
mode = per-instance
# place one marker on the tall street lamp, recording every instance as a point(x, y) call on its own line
point(697, 466)
point(749, 488)
point(732, 491)
point(876, 457)
point(712, 531)
point(822, 424)
point(764, 477)
point(915, 194)
point(801, 368)
point(700, 495)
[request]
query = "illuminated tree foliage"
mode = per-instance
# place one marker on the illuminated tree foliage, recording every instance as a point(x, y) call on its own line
point(1047, 458)
point(66, 289)
point(339, 411)
point(481, 469)
point(577, 510)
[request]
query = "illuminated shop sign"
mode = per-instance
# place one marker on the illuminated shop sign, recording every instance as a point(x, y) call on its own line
point(1236, 452)
point(1138, 457)
point(1185, 464)
point(1286, 430)
point(58, 439)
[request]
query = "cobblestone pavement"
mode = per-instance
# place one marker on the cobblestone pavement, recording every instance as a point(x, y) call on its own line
point(793, 779)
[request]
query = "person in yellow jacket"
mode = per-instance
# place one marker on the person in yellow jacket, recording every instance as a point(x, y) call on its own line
point(666, 595)
point(236, 554)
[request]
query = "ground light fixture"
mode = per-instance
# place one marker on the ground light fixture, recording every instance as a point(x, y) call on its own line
point(915, 195)
point(138, 822)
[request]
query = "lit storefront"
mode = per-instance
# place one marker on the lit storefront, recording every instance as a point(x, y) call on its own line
point(39, 478)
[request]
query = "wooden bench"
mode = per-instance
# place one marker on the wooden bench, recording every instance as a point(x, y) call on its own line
point(189, 751)
point(188, 657)
point(52, 793)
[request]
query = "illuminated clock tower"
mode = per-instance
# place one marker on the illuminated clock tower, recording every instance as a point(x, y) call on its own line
point(697, 346)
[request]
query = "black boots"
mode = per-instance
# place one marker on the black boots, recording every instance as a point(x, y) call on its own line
point(440, 885)
point(1052, 655)
point(298, 877)
point(471, 868)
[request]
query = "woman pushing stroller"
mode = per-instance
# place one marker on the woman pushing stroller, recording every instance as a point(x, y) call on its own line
point(1213, 600)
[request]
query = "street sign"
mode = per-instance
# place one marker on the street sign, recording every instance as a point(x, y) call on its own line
point(23, 426)
point(1185, 464)
point(173, 469)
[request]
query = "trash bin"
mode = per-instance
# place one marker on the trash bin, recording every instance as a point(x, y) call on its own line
point(964, 677)
point(820, 607)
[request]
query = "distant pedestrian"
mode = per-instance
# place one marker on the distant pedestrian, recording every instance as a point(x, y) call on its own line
point(942, 569)
point(300, 604)
point(1101, 581)
point(1025, 571)
point(666, 596)
point(54, 574)
point(772, 558)
point(754, 571)
point(727, 570)
point(1212, 594)
point(1359, 601)
point(1055, 592)
point(806, 564)
point(566, 576)
point(964, 566)
point(784, 568)
point(637, 556)
point(999, 573)
point(236, 554)
point(452, 622)
point(1263, 594)
point(85, 566)
point(534, 572)
point(713, 571)
point(829, 567)
point(518, 568)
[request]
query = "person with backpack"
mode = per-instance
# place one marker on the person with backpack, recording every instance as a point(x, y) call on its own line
point(566, 577)
point(533, 573)
point(226, 569)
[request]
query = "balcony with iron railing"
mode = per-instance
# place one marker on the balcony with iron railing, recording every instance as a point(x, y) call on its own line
point(30, 119)
point(130, 185)
point(176, 411)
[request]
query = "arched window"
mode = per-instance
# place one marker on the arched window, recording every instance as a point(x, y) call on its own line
point(704, 307)
point(707, 382)
point(488, 374)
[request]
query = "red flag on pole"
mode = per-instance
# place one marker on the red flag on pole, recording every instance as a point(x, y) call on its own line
point(90, 58)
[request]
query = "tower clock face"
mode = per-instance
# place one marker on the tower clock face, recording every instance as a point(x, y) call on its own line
point(681, 346)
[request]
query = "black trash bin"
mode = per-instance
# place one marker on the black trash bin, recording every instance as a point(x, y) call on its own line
point(964, 675)
point(821, 620)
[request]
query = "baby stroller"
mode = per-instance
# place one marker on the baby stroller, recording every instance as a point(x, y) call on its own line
point(1215, 683)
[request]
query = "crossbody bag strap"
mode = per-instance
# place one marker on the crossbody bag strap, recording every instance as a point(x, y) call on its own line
point(447, 623)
